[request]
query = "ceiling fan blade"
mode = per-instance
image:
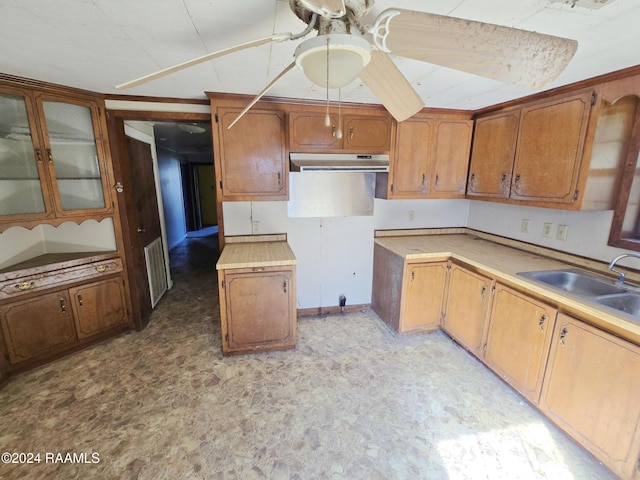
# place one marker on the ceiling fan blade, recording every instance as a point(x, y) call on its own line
point(326, 8)
point(279, 37)
point(506, 54)
point(263, 92)
point(390, 86)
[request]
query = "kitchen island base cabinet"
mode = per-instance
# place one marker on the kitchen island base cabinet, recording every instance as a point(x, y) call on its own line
point(518, 340)
point(467, 308)
point(592, 391)
point(257, 308)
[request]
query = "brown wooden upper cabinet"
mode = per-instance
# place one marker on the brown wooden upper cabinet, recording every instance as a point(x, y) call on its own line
point(533, 154)
point(52, 158)
point(250, 158)
point(430, 158)
point(361, 132)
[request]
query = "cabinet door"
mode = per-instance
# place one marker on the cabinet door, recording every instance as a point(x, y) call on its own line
point(410, 161)
point(467, 308)
point(494, 149)
point(551, 138)
point(253, 164)
point(518, 340)
point(367, 133)
point(38, 326)
point(451, 158)
point(423, 296)
point(74, 154)
point(592, 391)
point(308, 131)
point(24, 190)
point(99, 306)
point(260, 311)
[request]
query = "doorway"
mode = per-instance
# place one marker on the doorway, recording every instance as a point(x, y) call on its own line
point(178, 143)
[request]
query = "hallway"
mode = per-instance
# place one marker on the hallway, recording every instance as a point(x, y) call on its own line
point(351, 402)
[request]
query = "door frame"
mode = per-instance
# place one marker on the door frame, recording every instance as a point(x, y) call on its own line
point(117, 132)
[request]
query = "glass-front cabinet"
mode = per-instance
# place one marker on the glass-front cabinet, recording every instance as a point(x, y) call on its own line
point(51, 157)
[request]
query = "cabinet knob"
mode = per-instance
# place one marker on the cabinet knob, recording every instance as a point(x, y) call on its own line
point(49, 155)
point(141, 230)
point(517, 185)
point(472, 182)
point(80, 300)
point(351, 132)
point(63, 306)
point(101, 268)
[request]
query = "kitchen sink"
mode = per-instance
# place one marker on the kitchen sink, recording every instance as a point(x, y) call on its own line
point(591, 288)
point(625, 302)
point(575, 282)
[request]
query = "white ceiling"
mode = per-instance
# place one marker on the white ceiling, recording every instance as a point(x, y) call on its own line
point(96, 44)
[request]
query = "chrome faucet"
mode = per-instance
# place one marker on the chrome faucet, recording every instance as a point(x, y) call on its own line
point(621, 276)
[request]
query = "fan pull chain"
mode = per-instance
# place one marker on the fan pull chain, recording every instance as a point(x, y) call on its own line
point(339, 132)
point(327, 118)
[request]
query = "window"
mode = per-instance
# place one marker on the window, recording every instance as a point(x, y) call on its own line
point(625, 228)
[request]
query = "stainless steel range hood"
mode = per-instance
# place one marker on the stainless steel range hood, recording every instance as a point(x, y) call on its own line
point(338, 162)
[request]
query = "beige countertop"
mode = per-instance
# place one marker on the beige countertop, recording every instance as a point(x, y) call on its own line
point(503, 263)
point(255, 254)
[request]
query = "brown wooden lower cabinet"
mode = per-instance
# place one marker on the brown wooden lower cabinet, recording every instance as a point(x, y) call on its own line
point(423, 292)
point(36, 329)
point(257, 309)
point(408, 297)
point(518, 340)
point(98, 306)
point(37, 326)
point(592, 391)
point(467, 308)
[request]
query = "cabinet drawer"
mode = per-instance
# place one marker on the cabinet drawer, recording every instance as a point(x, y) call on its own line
point(34, 283)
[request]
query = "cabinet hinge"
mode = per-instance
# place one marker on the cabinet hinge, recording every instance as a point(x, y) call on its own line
point(226, 338)
point(392, 188)
point(216, 117)
point(594, 95)
point(223, 285)
point(575, 195)
point(220, 184)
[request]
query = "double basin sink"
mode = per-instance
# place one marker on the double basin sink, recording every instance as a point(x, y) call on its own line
point(599, 290)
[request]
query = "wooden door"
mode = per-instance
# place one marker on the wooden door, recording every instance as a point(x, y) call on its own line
point(367, 133)
point(467, 308)
point(410, 162)
point(423, 296)
point(38, 326)
point(592, 390)
point(143, 220)
point(309, 132)
point(518, 340)
point(253, 164)
point(451, 158)
point(259, 310)
point(492, 156)
point(551, 138)
point(207, 195)
point(99, 306)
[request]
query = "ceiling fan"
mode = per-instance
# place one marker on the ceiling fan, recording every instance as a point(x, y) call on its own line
point(345, 49)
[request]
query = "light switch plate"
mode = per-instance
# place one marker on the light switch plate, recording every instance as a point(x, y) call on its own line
point(524, 228)
point(547, 229)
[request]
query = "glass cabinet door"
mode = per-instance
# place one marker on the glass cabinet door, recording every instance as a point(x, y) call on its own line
point(21, 191)
point(72, 150)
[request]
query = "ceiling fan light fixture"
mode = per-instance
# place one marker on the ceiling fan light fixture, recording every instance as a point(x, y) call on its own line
point(348, 55)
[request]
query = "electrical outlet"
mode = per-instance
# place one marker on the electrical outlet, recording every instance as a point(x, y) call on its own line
point(547, 229)
point(412, 215)
point(255, 227)
point(524, 228)
point(562, 232)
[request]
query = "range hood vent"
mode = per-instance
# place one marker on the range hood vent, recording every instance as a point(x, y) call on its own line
point(338, 162)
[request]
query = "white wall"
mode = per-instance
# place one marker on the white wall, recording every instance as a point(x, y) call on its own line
point(587, 235)
point(335, 255)
point(172, 196)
